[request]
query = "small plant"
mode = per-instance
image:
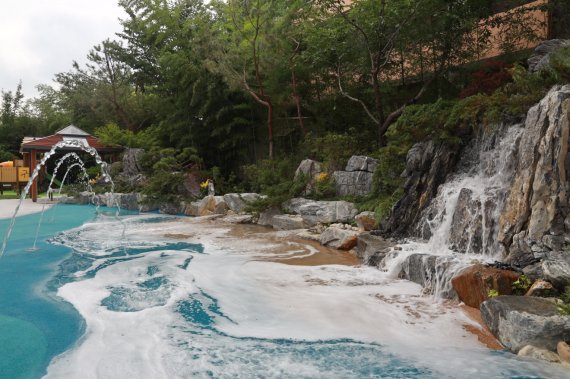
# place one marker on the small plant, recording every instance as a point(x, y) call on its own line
point(563, 308)
point(521, 285)
point(492, 293)
point(204, 188)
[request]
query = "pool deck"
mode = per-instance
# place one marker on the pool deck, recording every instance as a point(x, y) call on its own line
point(8, 206)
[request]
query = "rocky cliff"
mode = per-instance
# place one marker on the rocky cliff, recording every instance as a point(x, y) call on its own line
point(535, 222)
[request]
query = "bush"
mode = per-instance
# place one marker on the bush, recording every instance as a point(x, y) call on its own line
point(334, 150)
point(560, 64)
point(492, 76)
point(521, 285)
point(6, 155)
point(165, 169)
point(112, 135)
point(273, 178)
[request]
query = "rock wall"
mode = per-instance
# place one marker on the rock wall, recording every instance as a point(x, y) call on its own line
point(427, 167)
point(535, 222)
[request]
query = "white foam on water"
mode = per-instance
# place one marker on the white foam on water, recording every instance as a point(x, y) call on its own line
point(136, 330)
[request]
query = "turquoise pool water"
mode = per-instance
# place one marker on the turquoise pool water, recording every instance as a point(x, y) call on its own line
point(35, 325)
point(145, 305)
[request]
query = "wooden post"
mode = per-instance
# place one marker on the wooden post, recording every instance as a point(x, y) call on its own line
point(33, 163)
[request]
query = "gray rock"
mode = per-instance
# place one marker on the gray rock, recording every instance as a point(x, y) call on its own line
point(532, 221)
point(239, 202)
point(326, 212)
point(239, 219)
point(193, 208)
point(288, 222)
point(533, 271)
point(146, 205)
point(431, 272)
point(538, 353)
point(266, 217)
point(556, 269)
point(541, 288)
point(85, 197)
point(191, 185)
point(518, 321)
point(362, 163)
point(357, 183)
point(129, 201)
point(366, 220)
point(172, 208)
point(371, 249)
point(540, 57)
point(343, 239)
point(309, 169)
point(467, 224)
point(131, 169)
point(427, 166)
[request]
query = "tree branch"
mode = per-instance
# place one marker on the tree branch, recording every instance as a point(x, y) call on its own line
point(345, 94)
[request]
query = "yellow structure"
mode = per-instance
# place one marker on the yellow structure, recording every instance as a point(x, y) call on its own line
point(14, 174)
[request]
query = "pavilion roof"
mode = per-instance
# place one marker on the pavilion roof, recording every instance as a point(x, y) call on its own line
point(70, 132)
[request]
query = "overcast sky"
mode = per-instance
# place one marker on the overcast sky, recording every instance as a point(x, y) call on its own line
point(40, 38)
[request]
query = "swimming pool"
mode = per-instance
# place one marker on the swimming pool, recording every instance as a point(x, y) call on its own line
point(180, 297)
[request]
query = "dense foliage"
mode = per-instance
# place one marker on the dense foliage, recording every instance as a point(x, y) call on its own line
point(249, 88)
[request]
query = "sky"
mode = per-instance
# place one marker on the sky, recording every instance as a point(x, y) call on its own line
point(40, 38)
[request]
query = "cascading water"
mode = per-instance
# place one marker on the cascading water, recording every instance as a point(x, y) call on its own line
point(78, 164)
point(76, 144)
point(461, 224)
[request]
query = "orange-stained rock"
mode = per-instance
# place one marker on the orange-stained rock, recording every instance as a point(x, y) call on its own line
point(474, 283)
point(563, 350)
point(541, 288)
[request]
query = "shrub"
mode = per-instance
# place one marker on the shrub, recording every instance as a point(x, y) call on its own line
point(333, 149)
point(560, 64)
point(273, 178)
point(521, 285)
point(493, 75)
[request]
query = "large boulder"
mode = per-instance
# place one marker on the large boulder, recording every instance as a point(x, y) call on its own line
point(538, 353)
point(191, 185)
point(372, 249)
point(362, 163)
point(474, 283)
point(532, 221)
point(325, 212)
point(339, 238)
point(357, 183)
point(357, 178)
point(238, 202)
point(209, 205)
point(131, 167)
point(540, 57)
point(518, 321)
point(309, 169)
point(556, 269)
point(288, 222)
point(266, 217)
point(431, 272)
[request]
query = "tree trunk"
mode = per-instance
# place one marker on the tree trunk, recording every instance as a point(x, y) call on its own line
point(270, 127)
point(297, 99)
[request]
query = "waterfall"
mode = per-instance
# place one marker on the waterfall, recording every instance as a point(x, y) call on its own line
point(461, 224)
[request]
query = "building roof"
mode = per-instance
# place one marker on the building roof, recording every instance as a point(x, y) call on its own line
point(70, 132)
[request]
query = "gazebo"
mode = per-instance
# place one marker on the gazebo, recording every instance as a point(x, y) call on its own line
point(32, 146)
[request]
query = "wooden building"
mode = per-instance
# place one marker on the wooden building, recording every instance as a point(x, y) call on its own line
point(33, 148)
